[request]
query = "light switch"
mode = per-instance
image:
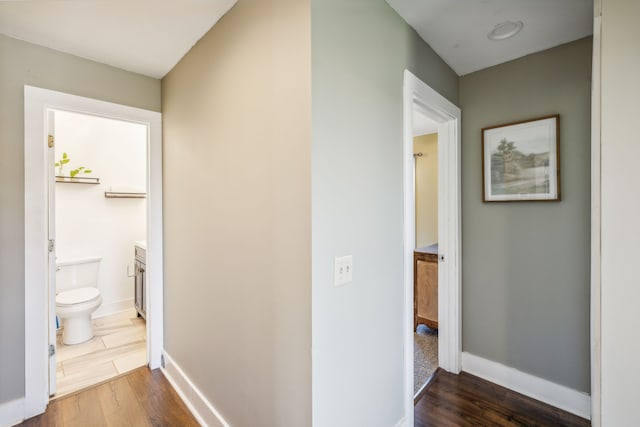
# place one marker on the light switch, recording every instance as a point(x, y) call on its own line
point(343, 270)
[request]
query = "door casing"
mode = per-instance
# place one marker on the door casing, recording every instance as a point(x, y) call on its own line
point(37, 103)
point(418, 95)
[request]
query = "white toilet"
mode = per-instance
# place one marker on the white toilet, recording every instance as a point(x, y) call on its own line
point(77, 297)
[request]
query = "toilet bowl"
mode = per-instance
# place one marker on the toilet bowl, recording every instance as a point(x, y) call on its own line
point(77, 298)
point(75, 308)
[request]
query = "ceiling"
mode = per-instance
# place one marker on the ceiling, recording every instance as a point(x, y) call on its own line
point(150, 36)
point(457, 29)
point(144, 36)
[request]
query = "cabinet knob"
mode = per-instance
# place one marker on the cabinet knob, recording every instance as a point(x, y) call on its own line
point(441, 258)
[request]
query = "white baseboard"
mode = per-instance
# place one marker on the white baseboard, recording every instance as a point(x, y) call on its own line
point(199, 406)
point(12, 412)
point(402, 422)
point(113, 308)
point(557, 395)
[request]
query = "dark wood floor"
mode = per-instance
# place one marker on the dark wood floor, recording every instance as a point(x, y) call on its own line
point(140, 398)
point(466, 400)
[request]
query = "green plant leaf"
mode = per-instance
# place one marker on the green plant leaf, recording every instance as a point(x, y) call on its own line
point(65, 161)
point(87, 171)
point(80, 168)
point(56, 164)
point(74, 173)
point(64, 155)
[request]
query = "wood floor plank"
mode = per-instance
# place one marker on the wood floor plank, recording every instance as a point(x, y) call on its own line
point(164, 406)
point(120, 405)
point(83, 409)
point(140, 398)
point(118, 346)
point(466, 400)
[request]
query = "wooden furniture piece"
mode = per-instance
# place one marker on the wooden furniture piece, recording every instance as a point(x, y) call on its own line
point(425, 286)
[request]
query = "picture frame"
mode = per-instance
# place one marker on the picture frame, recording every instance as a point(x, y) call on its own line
point(521, 161)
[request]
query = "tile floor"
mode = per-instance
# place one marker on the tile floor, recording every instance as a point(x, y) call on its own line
point(119, 345)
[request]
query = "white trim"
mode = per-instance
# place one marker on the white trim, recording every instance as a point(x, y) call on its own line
point(417, 95)
point(557, 395)
point(36, 255)
point(402, 422)
point(36, 104)
point(115, 307)
point(596, 286)
point(206, 414)
point(12, 412)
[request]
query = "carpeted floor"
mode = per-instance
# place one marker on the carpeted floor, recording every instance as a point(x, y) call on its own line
point(425, 355)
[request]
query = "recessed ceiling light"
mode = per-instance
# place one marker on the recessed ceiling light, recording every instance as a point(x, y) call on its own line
point(505, 30)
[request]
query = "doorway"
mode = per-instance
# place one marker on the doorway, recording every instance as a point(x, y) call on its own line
point(97, 219)
point(425, 255)
point(40, 105)
point(419, 98)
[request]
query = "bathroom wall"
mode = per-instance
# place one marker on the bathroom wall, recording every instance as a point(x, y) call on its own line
point(426, 189)
point(237, 214)
point(525, 266)
point(87, 223)
point(360, 49)
point(24, 63)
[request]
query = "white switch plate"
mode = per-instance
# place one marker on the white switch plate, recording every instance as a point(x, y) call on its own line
point(343, 270)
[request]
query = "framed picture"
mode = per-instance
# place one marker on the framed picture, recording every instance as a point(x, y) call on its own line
point(521, 161)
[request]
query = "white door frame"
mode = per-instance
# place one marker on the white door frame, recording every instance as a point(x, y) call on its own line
point(36, 104)
point(418, 95)
point(51, 234)
point(596, 224)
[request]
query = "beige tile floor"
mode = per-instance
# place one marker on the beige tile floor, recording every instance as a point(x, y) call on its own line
point(119, 345)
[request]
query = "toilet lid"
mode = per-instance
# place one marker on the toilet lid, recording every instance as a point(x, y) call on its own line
point(77, 296)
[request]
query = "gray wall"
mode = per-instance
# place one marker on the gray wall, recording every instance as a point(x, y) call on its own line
point(525, 266)
point(360, 49)
point(237, 214)
point(23, 63)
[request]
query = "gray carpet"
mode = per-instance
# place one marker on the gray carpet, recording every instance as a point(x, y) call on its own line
point(425, 355)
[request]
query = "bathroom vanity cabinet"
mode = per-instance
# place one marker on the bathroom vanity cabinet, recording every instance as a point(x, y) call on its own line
point(140, 280)
point(425, 286)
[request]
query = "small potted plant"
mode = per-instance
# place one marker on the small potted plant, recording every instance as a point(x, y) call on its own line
point(73, 174)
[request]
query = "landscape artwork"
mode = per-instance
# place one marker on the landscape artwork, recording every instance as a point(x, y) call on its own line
point(520, 161)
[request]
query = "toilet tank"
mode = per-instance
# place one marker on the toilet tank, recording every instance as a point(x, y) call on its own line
point(77, 273)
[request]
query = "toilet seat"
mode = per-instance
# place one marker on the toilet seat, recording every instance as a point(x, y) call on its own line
point(77, 296)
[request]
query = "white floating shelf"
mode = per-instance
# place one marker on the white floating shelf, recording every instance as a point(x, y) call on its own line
point(78, 180)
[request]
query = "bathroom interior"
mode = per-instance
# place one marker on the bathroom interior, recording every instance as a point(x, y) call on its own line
point(425, 256)
point(100, 246)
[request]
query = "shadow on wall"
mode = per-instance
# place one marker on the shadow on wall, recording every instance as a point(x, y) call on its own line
point(437, 74)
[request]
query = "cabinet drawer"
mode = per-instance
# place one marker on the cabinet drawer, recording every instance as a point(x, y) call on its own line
point(425, 289)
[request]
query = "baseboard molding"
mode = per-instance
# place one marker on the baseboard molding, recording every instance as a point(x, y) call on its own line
point(12, 412)
point(114, 308)
point(199, 406)
point(557, 395)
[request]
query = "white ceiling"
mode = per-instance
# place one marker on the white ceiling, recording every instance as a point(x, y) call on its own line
point(457, 29)
point(150, 36)
point(145, 36)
